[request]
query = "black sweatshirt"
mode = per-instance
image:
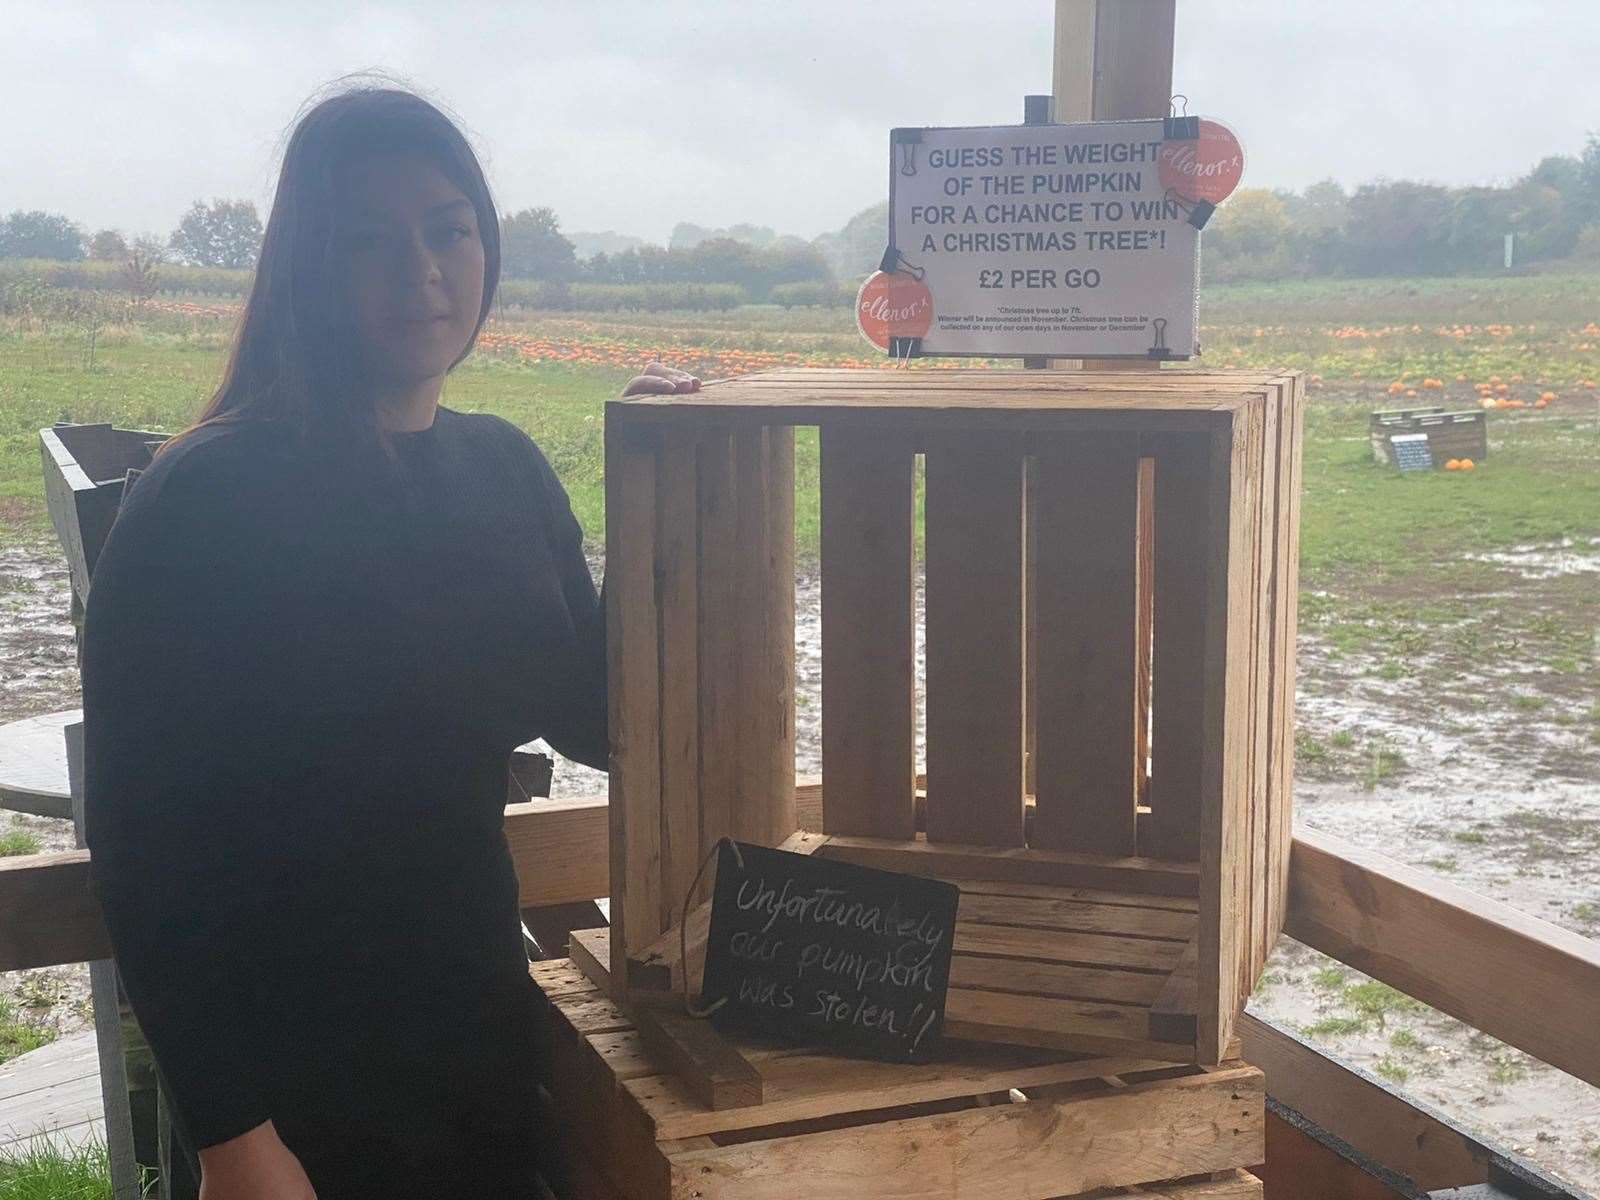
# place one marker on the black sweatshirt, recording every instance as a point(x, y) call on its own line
point(303, 676)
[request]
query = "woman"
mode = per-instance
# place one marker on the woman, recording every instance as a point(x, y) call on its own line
point(326, 615)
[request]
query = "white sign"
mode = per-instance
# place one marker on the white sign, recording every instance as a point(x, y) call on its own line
point(1050, 240)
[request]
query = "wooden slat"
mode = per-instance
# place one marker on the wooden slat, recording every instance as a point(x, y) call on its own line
point(1057, 945)
point(868, 708)
point(719, 645)
point(710, 1067)
point(1036, 913)
point(1224, 853)
point(974, 644)
point(781, 813)
point(1229, 1185)
point(1055, 868)
point(764, 619)
point(1144, 587)
point(590, 951)
point(1285, 636)
point(1478, 960)
point(1178, 683)
point(1263, 495)
point(1086, 497)
point(637, 912)
point(1082, 895)
point(1051, 1145)
point(1173, 1014)
point(802, 1086)
point(677, 598)
point(1067, 981)
point(751, 713)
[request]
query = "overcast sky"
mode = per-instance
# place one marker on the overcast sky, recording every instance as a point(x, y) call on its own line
point(634, 115)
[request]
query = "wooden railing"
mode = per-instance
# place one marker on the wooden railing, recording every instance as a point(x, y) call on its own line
point(1520, 979)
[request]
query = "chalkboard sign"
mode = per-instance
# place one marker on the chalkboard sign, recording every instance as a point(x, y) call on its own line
point(1411, 451)
point(829, 953)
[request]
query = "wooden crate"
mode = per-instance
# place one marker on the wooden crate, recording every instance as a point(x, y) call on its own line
point(840, 1129)
point(1111, 567)
point(1450, 434)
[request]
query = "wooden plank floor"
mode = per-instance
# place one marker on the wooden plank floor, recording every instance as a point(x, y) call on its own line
point(54, 1090)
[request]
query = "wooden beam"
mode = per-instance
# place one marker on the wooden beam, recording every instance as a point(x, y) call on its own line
point(711, 1068)
point(1370, 1117)
point(48, 915)
point(1515, 977)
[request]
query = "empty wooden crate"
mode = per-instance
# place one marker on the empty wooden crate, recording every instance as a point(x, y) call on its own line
point(1109, 565)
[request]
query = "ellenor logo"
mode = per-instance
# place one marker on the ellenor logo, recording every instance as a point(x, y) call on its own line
point(893, 305)
point(1207, 168)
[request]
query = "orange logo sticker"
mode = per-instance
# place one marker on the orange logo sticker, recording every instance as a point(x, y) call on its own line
point(893, 305)
point(1207, 168)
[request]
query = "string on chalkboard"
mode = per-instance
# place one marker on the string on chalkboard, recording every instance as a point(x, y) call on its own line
point(689, 1006)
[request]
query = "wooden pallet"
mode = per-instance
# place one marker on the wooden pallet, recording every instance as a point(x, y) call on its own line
point(1004, 1122)
point(1110, 580)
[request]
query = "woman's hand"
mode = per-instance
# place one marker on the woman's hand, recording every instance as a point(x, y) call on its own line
point(659, 380)
point(256, 1165)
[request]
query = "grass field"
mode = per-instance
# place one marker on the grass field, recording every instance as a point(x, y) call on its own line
point(552, 374)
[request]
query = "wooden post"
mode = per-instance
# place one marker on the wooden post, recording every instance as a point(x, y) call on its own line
point(1112, 62)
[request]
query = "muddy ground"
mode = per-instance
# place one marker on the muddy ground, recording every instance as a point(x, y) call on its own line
point(1465, 741)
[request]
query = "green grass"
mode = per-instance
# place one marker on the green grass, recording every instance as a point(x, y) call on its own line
point(1540, 482)
point(17, 841)
point(1390, 1069)
point(43, 1170)
point(1376, 1001)
point(19, 1036)
point(1335, 1027)
point(1404, 1039)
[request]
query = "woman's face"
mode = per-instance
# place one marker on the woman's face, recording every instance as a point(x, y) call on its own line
point(413, 259)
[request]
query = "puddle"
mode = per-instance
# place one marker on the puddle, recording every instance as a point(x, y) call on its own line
point(1571, 557)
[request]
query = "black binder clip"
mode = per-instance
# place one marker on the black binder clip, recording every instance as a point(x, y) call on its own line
point(1180, 129)
point(1160, 349)
point(1201, 213)
point(903, 348)
point(893, 261)
point(907, 140)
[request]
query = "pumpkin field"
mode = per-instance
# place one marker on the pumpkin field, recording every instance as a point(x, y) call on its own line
point(1449, 697)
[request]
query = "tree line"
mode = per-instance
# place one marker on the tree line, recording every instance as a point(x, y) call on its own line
point(1388, 227)
point(1402, 227)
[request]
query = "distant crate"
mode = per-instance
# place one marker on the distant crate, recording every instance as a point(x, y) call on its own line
point(1450, 434)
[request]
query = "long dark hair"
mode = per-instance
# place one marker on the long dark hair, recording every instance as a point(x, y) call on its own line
point(292, 360)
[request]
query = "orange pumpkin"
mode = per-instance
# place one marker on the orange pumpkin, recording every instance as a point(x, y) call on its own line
point(1468, 465)
point(1546, 397)
point(1453, 465)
